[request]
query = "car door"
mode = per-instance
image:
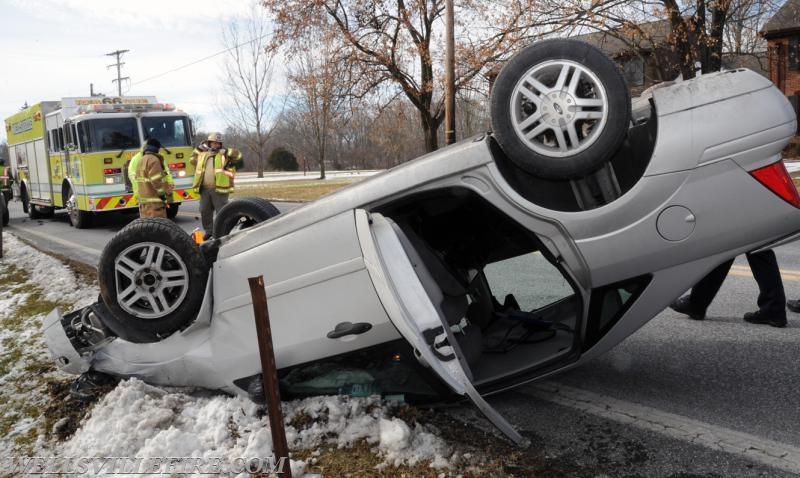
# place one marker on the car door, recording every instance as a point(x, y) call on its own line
point(414, 315)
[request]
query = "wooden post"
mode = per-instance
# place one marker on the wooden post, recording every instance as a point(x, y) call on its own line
point(269, 374)
point(449, 75)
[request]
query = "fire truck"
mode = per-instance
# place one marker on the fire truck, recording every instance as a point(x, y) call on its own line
point(72, 153)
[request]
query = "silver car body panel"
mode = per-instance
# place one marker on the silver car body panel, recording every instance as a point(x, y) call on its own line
point(324, 264)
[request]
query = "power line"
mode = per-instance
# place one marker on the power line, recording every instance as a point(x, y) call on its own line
point(200, 60)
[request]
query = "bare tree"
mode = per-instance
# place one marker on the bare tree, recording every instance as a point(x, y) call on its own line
point(700, 30)
point(322, 82)
point(398, 42)
point(746, 19)
point(248, 80)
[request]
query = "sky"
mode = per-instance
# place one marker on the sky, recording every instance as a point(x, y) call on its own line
point(55, 48)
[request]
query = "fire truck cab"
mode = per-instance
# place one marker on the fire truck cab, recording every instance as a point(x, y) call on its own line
point(72, 153)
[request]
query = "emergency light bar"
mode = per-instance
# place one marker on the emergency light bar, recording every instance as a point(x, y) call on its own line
point(118, 108)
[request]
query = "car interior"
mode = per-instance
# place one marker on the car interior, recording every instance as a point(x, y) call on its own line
point(463, 251)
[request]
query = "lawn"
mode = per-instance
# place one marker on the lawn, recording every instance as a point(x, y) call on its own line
point(294, 190)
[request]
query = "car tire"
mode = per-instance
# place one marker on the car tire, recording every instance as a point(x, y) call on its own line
point(560, 109)
point(241, 214)
point(172, 210)
point(153, 279)
point(77, 218)
point(4, 210)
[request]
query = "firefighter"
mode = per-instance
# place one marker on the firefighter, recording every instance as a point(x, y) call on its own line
point(130, 169)
point(153, 188)
point(213, 177)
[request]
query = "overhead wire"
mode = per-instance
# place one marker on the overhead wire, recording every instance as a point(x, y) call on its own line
point(200, 60)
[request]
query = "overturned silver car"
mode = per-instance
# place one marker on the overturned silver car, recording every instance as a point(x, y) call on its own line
point(473, 269)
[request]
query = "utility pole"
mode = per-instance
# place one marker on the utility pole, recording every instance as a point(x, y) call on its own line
point(449, 76)
point(118, 64)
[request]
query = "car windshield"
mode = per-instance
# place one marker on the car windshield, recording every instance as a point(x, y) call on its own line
point(169, 130)
point(108, 134)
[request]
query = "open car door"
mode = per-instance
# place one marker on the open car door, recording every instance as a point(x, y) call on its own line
point(394, 271)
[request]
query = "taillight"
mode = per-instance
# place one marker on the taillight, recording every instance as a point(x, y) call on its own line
point(112, 171)
point(177, 165)
point(777, 179)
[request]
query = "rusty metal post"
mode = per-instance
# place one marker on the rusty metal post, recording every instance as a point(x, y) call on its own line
point(3, 205)
point(269, 374)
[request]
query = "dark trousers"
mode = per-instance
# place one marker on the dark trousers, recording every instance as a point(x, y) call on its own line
point(210, 201)
point(771, 298)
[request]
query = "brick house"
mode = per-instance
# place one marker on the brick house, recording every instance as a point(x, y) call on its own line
point(645, 56)
point(782, 33)
point(641, 52)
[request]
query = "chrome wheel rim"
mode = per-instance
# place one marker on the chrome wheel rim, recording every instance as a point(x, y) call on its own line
point(72, 208)
point(243, 222)
point(559, 108)
point(151, 279)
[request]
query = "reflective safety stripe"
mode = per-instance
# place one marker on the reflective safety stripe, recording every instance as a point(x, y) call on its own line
point(113, 202)
point(131, 200)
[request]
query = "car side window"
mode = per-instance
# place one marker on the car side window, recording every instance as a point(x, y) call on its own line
point(530, 277)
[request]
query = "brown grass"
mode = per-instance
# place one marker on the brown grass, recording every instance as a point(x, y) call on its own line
point(296, 190)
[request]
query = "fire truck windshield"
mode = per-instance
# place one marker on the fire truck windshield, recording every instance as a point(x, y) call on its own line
point(169, 130)
point(105, 134)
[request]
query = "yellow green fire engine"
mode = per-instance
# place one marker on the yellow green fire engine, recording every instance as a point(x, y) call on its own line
point(72, 153)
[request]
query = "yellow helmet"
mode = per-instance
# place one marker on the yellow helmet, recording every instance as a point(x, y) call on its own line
point(216, 137)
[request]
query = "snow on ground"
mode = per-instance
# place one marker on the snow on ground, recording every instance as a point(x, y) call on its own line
point(136, 420)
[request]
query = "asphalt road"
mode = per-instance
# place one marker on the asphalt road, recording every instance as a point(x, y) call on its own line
point(679, 398)
point(85, 245)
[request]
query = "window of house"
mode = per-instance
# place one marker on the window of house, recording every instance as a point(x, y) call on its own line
point(794, 53)
point(633, 69)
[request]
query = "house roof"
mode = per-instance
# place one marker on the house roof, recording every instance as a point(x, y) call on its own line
point(757, 62)
point(786, 18)
point(626, 38)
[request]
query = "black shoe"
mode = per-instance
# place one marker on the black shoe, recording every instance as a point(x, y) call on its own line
point(683, 305)
point(759, 317)
point(793, 305)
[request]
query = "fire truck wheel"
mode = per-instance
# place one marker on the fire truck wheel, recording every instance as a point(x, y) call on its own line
point(4, 210)
point(24, 198)
point(241, 214)
point(33, 212)
point(153, 279)
point(172, 211)
point(77, 218)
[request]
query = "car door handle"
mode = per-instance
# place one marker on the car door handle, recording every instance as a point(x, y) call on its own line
point(349, 328)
